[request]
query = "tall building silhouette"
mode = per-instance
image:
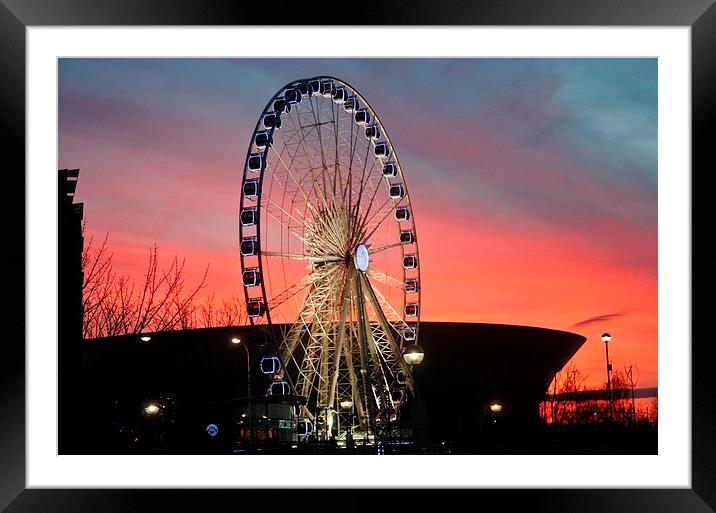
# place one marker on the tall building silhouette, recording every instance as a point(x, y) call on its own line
point(69, 297)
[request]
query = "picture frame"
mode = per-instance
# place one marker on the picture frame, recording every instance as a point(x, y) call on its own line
point(16, 15)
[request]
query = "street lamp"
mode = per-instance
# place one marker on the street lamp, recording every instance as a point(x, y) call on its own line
point(413, 355)
point(237, 341)
point(606, 337)
point(496, 407)
point(347, 405)
point(151, 409)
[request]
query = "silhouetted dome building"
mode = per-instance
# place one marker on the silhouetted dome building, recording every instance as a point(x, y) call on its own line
point(473, 375)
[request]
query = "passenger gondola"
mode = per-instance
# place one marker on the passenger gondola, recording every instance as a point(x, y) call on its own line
point(410, 261)
point(397, 191)
point(382, 150)
point(251, 188)
point(340, 94)
point(270, 364)
point(272, 120)
point(248, 246)
point(248, 216)
point(407, 237)
point(263, 139)
point(251, 277)
point(362, 116)
point(372, 132)
point(402, 214)
point(255, 308)
point(256, 162)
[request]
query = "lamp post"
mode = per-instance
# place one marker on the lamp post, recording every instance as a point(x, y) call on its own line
point(606, 337)
point(413, 356)
point(237, 341)
point(347, 405)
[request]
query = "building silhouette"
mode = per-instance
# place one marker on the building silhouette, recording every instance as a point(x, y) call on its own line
point(69, 300)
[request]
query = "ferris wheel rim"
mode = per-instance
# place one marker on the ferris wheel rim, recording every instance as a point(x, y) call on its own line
point(394, 157)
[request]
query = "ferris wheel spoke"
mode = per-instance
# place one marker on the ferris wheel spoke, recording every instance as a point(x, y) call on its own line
point(373, 251)
point(385, 278)
point(302, 143)
point(294, 289)
point(378, 215)
point(316, 110)
point(280, 160)
point(309, 258)
point(290, 229)
point(363, 174)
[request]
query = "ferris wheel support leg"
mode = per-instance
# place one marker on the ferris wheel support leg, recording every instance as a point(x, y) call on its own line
point(386, 327)
point(341, 338)
point(363, 347)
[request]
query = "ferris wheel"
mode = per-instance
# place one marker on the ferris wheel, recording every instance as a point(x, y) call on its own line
point(329, 257)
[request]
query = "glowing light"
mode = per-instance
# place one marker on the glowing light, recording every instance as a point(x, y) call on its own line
point(495, 407)
point(212, 430)
point(606, 337)
point(151, 409)
point(346, 404)
point(413, 355)
point(145, 338)
point(236, 340)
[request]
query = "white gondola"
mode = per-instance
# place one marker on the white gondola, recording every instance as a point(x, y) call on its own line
point(262, 139)
point(314, 86)
point(248, 246)
point(292, 95)
point(408, 334)
point(340, 94)
point(411, 285)
point(304, 89)
point(397, 395)
point(327, 88)
point(372, 132)
point(362, 116)
point(402, 214)
point(255, 307)
point(410, 261)
point(305, 427)
point(390, 169)
point(397, 191)
point(270, 364)
point(400, 378)
point(281, 106)
point(248, 216)
point(251, 277)
point(251, 188)
point(382, 150)
point(271, 120)
point(350, 104)
point(407, 237)
point(256, 162)
point(411, 310)
point(279, 388)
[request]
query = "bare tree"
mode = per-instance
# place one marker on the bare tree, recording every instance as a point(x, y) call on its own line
point(97, 280)
point(114, 305)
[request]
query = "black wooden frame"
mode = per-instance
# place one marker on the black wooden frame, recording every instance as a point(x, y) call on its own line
point(16, 15)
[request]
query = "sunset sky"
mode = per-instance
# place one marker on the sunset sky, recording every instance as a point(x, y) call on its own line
point(533, 181)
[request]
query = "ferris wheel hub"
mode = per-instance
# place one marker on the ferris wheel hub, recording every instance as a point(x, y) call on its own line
point(361, 257)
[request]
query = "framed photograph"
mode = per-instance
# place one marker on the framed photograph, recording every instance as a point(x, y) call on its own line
point(451, 251)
